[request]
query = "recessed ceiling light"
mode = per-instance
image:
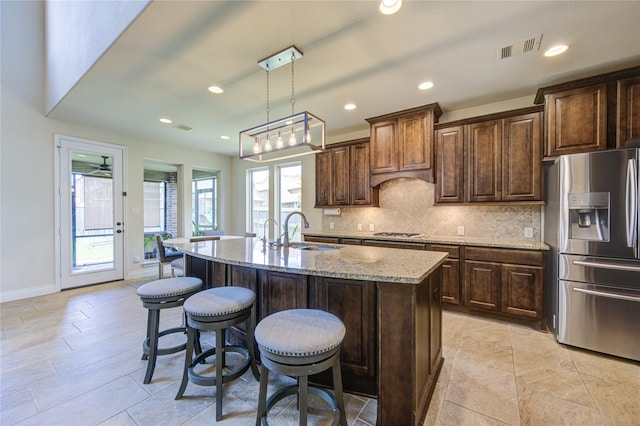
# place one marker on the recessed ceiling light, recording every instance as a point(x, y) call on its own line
point(389, 7)
point(556, 50)
point(426, 85)
point(216, 89)
point(350, 107)
point(225, 137)
point(166, 121)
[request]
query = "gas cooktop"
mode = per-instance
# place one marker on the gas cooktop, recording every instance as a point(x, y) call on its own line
point(398, 234)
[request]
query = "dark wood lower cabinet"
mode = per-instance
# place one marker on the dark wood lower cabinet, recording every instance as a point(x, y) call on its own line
point(280, 291)
point(522, 290)
point(482, 285)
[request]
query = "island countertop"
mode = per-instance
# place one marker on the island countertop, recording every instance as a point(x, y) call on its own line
point(344, 261)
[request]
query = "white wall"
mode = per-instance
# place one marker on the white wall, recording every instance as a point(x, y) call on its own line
point(69, 57)
point(27, 164)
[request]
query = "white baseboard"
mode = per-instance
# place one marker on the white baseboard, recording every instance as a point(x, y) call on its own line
point(8, 296)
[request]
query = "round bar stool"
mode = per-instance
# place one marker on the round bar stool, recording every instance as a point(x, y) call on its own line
point(157, 295)
point(217, 309)
point(299, 343)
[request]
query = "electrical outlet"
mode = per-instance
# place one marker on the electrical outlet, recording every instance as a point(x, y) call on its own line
point(460, 230)
point(371, 227)
point(331, 225)
point(359, 226)
point(528, 232)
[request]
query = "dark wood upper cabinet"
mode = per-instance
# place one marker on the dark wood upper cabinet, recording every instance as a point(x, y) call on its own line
point(489, 159)
point(628, 110)
point(402, 144)
point(521, 157)
point(342, 175)
point(484, 164)
point(591, 114)
point(450, 165)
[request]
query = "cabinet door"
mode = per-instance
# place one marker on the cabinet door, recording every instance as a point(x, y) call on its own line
point(242, 276)
point(450, 165)
point(522, 290)
point(323, 178)
point(359, 175)
point(354, 303)
point(576, 120)
point(451, 281)
point(384, 147)
point(281, 291)
point(483, 161)
point(628, 110)
point(482, 285)
point(340, 178)
point(415, 144)
point(522, 158)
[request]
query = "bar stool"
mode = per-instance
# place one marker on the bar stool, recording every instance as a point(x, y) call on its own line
point(217, 309)
point(299, 343)
point(157, 295)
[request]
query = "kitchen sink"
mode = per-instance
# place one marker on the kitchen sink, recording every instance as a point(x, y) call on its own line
point(313, 247)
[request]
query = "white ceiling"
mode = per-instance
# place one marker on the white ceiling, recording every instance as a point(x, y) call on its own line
point(163, 63)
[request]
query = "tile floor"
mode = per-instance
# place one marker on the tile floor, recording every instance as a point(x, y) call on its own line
point(73, 358)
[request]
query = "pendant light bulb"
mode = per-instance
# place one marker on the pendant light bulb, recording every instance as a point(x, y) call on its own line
point(308, 138)
point(256, 147)
point(267, 144)
point(279, 143)
point(292, 138)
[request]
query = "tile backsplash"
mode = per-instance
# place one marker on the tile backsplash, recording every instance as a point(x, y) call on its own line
point(406, 205)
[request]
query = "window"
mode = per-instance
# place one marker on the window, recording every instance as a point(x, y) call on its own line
point(258, 203)
point(204, 200)
point(290, 198)
point(160, 204)
point(287, 199)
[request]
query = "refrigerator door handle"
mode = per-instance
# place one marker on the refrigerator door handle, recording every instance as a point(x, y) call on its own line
point(604, 294)
point(631, 204)
point(606, 265)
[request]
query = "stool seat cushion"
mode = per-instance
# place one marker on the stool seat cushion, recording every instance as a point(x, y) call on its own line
point(219, 301)
point(169, 287)
point(299, 332)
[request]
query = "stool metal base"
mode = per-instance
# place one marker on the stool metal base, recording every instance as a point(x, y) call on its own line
point(219, 324)
point(301, 368)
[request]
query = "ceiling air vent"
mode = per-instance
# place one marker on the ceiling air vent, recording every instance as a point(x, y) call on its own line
point(182, 127)
point(519, 47)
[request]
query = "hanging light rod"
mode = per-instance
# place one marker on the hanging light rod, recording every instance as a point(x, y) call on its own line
point(281, 58)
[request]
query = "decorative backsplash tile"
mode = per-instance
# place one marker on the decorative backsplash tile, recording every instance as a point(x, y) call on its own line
point(406, 205)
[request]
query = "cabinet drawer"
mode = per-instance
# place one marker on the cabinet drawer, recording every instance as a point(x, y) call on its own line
point(395, 244)
point(351, 241)
point(520, 257)
point(454, 251)
point(314, 239)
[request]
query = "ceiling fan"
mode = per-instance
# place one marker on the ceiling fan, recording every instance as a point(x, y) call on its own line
point(101, 169)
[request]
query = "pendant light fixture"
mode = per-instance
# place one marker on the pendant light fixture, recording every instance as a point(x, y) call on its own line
point(303, 132)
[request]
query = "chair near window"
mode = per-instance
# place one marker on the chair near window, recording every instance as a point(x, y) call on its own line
point(174, 258)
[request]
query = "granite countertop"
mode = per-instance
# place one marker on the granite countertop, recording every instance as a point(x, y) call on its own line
point(348, 262)
point(437, 239)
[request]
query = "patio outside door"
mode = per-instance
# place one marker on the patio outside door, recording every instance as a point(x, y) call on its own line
point(90, 219)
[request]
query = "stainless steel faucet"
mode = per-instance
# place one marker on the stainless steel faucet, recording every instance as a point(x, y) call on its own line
point(264, 230)
point(286, 226)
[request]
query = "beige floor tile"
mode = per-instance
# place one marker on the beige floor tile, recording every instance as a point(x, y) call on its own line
point(452, 414)
point(606, 367)
point(484, 389)
point(542, 409)
point(619, 403)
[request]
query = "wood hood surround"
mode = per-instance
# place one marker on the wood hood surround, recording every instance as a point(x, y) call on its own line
point(402, 144)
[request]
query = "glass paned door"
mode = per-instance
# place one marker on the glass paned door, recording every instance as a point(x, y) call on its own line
point(91, 224)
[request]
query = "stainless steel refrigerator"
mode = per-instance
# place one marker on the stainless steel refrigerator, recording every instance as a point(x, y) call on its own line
point(593, 268)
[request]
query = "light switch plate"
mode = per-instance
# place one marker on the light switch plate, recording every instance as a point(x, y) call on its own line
point(528, 232)
point(460, 230)
point(372, 227)
point(359, 227)
point(331, 226)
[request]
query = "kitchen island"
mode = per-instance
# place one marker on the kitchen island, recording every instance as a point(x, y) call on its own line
point(389, 300)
